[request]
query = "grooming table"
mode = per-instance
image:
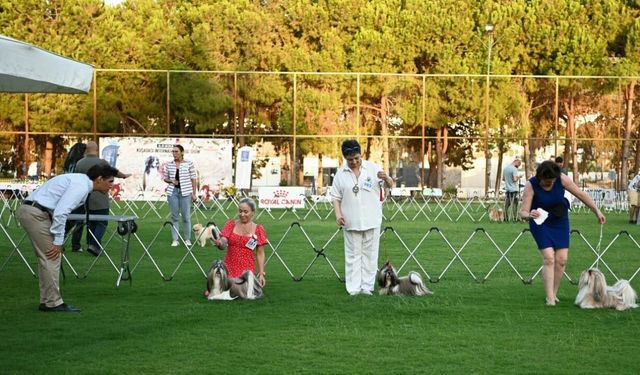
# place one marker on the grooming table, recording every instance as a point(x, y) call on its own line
point(126, 227)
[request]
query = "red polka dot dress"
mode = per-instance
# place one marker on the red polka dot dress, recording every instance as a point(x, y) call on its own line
point(239, 257)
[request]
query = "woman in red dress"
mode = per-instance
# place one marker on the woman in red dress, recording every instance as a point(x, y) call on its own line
point(244, 241)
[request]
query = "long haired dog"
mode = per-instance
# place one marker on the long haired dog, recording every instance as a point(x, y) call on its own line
point(392, 285)
point(222, 287)
point(593, 292)
point(496, 214)
point(205, 233)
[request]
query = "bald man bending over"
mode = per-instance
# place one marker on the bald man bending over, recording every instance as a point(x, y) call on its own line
point(98, 203)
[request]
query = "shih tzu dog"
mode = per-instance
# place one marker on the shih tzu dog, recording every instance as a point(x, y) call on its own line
point(203, 234)
point(593, 292)
point(392, 285)
point(496, 214)
point(222, 287)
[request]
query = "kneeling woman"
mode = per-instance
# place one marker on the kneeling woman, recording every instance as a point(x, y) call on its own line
point(545, 191)
point(245, 242)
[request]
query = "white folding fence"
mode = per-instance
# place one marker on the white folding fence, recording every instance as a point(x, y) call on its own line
point(328, 246)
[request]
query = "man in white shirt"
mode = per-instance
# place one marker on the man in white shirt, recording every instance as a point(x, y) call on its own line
point(357, 200)
point(43, 215)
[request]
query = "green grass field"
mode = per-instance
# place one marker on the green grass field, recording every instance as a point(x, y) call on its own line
point(500, 325)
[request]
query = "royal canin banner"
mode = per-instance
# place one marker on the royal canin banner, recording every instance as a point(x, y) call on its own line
point(281, 197)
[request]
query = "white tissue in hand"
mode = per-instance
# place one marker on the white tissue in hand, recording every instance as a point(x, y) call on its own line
point(542, 216)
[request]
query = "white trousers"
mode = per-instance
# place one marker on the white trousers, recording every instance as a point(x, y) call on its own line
point(361, 259)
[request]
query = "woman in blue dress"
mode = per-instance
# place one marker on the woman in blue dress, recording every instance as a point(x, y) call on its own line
point(545, 192)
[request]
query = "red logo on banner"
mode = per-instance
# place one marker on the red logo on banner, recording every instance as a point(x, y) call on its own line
point(280, 193)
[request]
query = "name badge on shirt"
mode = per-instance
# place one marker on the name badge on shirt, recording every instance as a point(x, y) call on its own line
point(252, 243)
point(368, 184)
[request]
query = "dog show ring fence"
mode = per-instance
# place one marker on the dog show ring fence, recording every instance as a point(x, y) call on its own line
point(411, 238)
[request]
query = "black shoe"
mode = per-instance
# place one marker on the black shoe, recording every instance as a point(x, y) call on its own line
point(93, 251)
point(60, 308)
point(78, 250)
point(42, 307)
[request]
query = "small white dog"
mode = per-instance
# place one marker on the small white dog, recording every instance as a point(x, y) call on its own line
point(410, 285)
point(205, 233)
point(593, 292)
point(222, 287)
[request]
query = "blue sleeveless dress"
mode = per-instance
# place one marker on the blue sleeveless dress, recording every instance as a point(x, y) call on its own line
point(553, 232)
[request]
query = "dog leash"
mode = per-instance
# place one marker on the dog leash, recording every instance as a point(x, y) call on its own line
point(598, 246)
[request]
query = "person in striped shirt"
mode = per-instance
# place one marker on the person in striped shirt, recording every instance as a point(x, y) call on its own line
point(181, 176)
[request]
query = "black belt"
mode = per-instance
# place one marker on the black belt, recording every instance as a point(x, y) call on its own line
point(37, 205)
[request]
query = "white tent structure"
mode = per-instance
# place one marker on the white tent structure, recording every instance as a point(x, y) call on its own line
point(25, 68)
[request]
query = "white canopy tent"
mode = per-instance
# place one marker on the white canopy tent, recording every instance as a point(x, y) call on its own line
point(25, 68)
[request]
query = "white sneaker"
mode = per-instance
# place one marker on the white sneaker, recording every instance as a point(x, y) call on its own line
point(174, 243)
point(188, 243)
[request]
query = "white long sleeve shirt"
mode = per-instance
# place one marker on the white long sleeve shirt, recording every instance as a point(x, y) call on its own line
point(61, 195)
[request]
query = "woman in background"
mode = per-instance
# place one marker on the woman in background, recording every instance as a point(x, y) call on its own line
point(180, 174)
point(76, 152)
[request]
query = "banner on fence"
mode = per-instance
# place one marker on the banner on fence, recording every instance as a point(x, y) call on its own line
point(243, 167)
point(145, 158)
point(281, 197)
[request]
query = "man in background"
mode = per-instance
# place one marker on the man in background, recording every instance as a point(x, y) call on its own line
point(511, 178)
point(98, 204)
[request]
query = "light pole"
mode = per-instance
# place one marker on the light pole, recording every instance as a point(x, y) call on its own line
point(488, 28)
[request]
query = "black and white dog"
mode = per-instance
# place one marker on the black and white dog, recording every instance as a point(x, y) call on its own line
point(222, 287)
point(392, 285)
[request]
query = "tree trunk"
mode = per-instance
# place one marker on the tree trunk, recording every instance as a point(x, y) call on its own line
point(501, 151)
point(571, 143)
point(320, 181)
point(240, 124)
point(628, 123)
point(384, 132)
point(48, 157)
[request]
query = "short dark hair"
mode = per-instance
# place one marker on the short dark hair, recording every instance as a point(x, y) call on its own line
point(179, 147)
point(559, 159)
point(547, 170)
point(102, 170)
point(351, 147)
